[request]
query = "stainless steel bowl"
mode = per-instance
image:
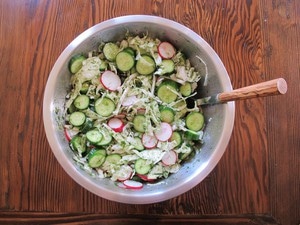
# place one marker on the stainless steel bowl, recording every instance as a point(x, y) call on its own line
point(220, 118)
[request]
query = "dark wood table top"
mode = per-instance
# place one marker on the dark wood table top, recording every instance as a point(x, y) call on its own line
point(257, 179)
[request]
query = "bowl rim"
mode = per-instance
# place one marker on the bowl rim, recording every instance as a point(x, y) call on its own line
point(130, 197)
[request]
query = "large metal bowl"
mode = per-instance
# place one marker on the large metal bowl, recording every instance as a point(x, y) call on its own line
point(220, 118)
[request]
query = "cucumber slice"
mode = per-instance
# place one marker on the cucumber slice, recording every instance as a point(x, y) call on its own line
point(94, 136)
point(192, 135)
point(166, 114)
point(194, 121)
point(138, 145)
point(145, 65)
point(77, 118)
point(186, 89)
point(78, 143)
point(113, 158)
point(172, 83)
point(141, 167)
point(82, 102)
point(75, 63)
point(180, 108)
point(125, 61)
point(88, 124)
point(139, 123)
point(102, 151)
point(167, 66)
point(110, 51)
point(104, 106)
point(103, 65)
point(133, 70)
point(72, 108)
point(177, 137)
point(106, 138)
point(130, 50)
point(84, 88)
point(183, 156)
point(96, 158)
point(167, 92)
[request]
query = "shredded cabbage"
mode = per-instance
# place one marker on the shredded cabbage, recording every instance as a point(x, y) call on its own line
point(141, 91)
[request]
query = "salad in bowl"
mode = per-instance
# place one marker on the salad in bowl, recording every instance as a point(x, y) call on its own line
point(130, 113)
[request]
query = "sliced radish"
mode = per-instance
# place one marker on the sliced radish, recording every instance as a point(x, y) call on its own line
point(110, 80)
point(116, 124)
point(169, 158)
point(70, 133)
point(164, 132)
point(121, 185)
point(145, 177)
point(130, 100)
point(125, 173)
point(131, 184)
point(149, 141)
point(166, 50)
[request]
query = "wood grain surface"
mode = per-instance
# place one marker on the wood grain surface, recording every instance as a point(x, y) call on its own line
point(257, 180)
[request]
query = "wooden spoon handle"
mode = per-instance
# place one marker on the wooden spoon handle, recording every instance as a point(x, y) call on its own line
point(268, 88)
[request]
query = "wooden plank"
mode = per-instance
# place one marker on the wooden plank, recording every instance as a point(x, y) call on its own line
point(237, 39)
point(80, 218)
point(281, 45)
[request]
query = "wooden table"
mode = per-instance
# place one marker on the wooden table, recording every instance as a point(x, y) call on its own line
point(257, 179)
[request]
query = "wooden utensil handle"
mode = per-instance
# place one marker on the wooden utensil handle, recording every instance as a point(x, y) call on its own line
point(268, 88)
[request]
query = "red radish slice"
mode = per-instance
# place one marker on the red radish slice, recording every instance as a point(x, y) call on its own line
point(67, 134)
point(70, 134)
point(121, 185)
point(166, 50)
point(128, 101)
point(145, 177)
point(110, 80)
point(164, 132)
point(126, 173)
point(116, 124)
point(149, 141)
point(169, 158)
point(131, 184)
